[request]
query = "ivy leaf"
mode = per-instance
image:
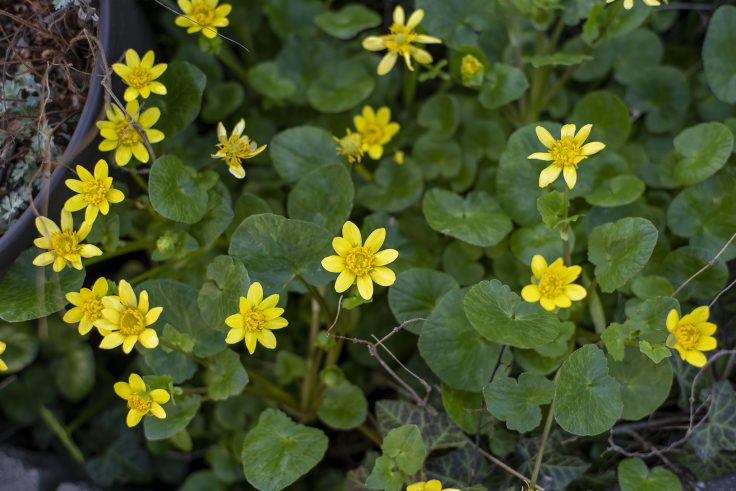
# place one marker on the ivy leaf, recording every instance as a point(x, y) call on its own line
point(438, 432)
point(620, 250)
point(633, 475)
point(719, 432)
point(587, 399)
point(517, 402)
point(477, 219)
point(278, 451)
point(499, 315)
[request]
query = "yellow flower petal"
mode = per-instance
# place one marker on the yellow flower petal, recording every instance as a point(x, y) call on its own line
point(530, 293)
point(365, 287)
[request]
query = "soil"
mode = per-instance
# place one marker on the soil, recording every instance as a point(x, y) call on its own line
point(46, 60)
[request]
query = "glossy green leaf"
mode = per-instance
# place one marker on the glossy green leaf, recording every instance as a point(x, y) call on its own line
point(502, 84)
point(180, 106)
point(267, 79)
point(440, 115)
point(720, 67)
point(177, 191)
point(517, 401)
point(500, 315)
point(394, 187)
point(31, 292)
point(633, 475)
point(702, 150)
point(462, 407)
point(301, 149)
point(448, 340)
point(620, 250)
point(218, 298)
point(179, 413)
point(74, 371)
point(324, 196)
point(682, 263)
point(278, 451)
point(343, 406)
point(276, 250)
point(645, 385)
point(456, 22)
point(348, 21)
point(341, 85)
point(617, 191)
point(437, 157)
point(226, 376)
point(415, 294)
point(221, 100)
point(477, 219)
point(663, 93)
point(587, 399)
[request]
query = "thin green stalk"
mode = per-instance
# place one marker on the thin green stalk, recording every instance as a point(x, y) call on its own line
point(58, 430)
point(543, 444)
point(135, 246)
point(276, 391)
point(140, 181)
point(410, 86)
point(227, 57)
point(564, 227)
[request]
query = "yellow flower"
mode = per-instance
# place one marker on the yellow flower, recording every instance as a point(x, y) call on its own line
point(433, 485)
point(565, 153)
point(376, 129)
point(691, 335)
point(64, 244)
point(3, 366)
point(399, 41)
point(141, 399)
point(203, 15)
point(119, 134)
point(399, 157)
point(126, 318)
point(470, 65)
point(351, 146)
point(629, 4)
point(87, 306)
point(256, 318)
point(140, 75)
point(361, 263)
point(552, 286)
point(95, 192)
point(235, 148)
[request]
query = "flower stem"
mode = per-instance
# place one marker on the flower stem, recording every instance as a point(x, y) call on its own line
point(545, 437)
point(410, 85)
point(134, 246)
point(564, 227)
point(58, 430)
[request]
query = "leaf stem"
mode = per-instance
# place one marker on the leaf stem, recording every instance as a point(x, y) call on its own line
point(545, 437)
point(134, 246)
point(57, 429)
point(565, 226)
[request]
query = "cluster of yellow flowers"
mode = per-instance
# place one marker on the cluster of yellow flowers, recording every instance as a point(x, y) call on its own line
point(552, 285)
point(127, 130)
point(374, 129)
point(203, 16)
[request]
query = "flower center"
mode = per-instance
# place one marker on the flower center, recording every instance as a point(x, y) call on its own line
point(400, 39)
point(138, 403)
point(139, 77)
point(65, 243)
point(359, 261)
point(129, 137)
point(95, 192)
point(132, 322)
point(235, 146)
point(202, 13)
point(92, 309)
point(687, 336)
point(253, 320)
point(551, 285)
point(373, 133)
point(565, 151)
